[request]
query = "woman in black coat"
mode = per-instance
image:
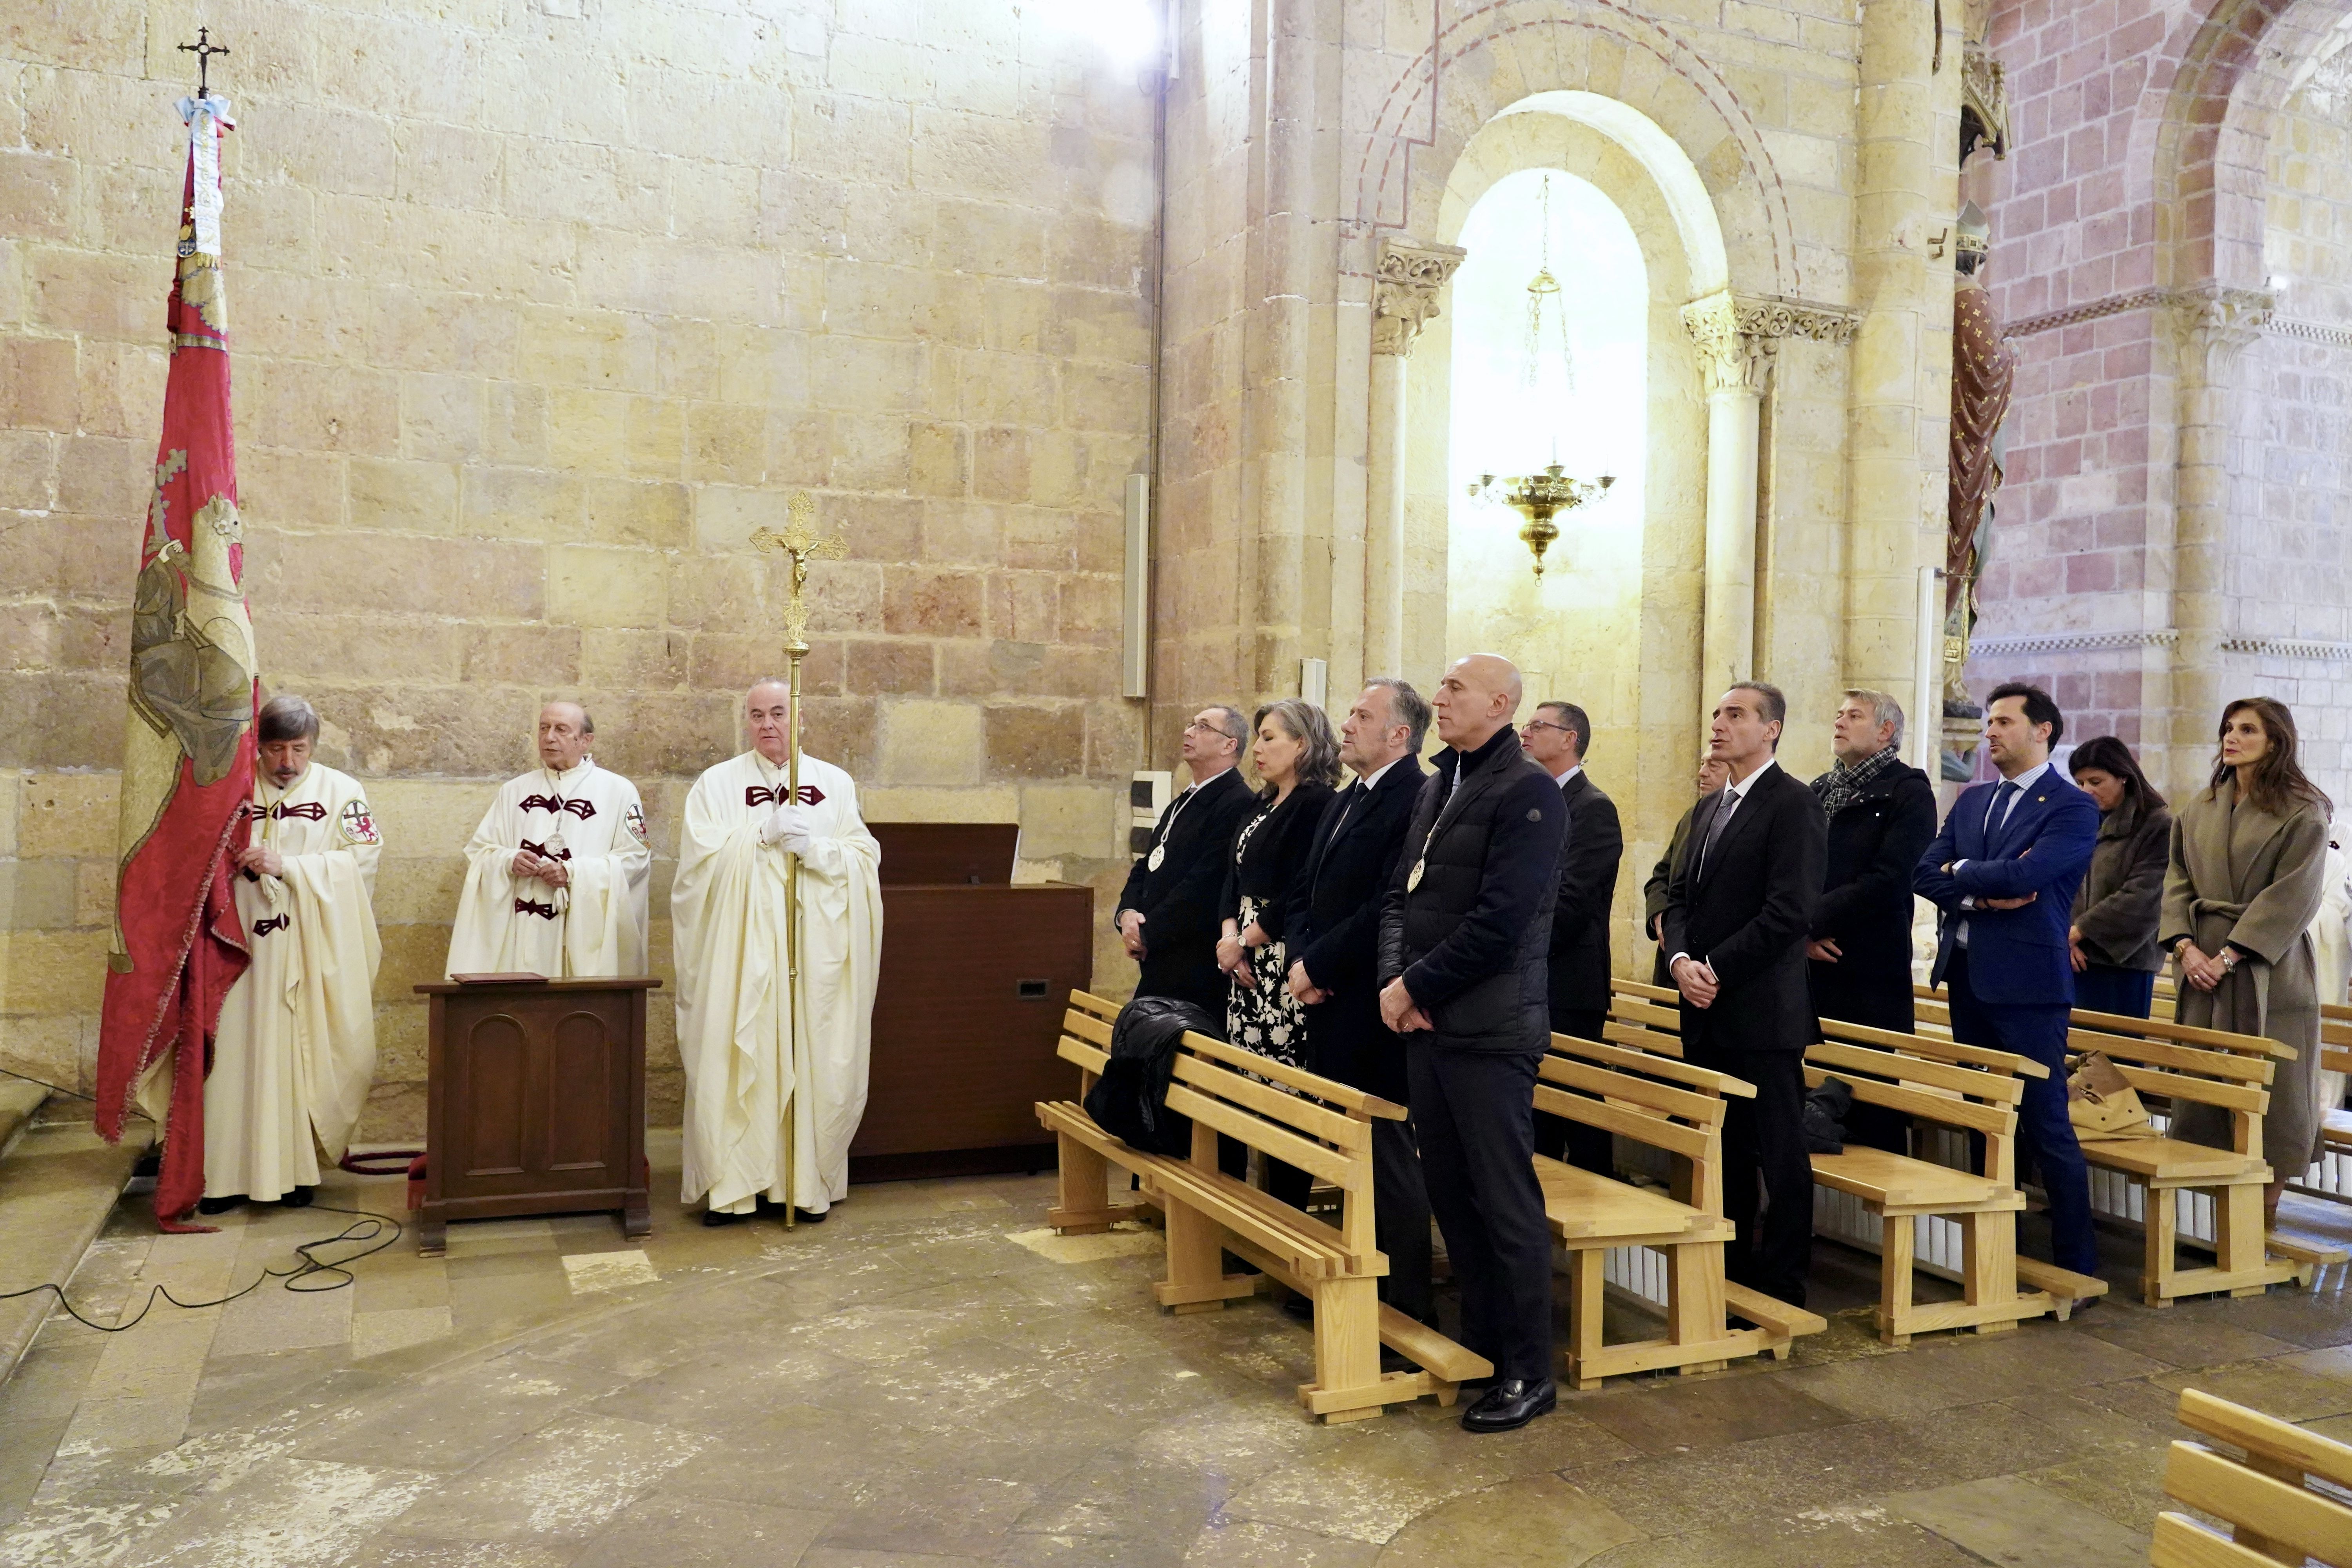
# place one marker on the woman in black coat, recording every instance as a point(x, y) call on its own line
point(2113, 931)
point(1881, 814)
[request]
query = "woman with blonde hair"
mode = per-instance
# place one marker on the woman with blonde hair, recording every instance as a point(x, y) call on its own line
point(2248, 871)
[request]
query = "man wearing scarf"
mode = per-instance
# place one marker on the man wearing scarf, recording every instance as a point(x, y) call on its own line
point(1881, 814)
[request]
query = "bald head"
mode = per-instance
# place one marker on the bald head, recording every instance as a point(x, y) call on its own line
point(768, 715)
point(1479, 696)
point(565, 733)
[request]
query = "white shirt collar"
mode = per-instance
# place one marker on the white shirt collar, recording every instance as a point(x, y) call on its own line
point(1561, 779)
point(1739, 791)
point(1374, 777)
point(2025, 780)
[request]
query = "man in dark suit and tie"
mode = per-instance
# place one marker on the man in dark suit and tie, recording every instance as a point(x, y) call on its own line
point(1168, 914)
point(1336, 972)
point(1737, 913)
point(1556, 738)
point(2003, 871)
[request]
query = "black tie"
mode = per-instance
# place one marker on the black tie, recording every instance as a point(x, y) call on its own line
point(1715, 829)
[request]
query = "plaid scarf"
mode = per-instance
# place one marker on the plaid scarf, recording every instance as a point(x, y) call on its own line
point(1842, 786)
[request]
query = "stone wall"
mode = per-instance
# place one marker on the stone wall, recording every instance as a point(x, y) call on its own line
point(537, 316)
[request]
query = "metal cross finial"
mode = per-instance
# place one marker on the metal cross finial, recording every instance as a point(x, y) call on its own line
point(800, 543)
point(203, 49)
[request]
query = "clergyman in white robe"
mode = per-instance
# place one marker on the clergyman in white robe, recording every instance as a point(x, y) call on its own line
point(743, 1063)
point(295, 1048)
point(590, 820)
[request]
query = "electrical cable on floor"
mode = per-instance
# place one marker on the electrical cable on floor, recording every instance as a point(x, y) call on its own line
point(372, 1227)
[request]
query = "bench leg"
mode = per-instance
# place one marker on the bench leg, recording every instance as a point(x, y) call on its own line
point(1897, 1240)
point(1989, 1264)
point(1348, 1343)
point(2239, 1233)
point(1586, 1277)
point(1196, 1279)
point(1695, 1309)
point(1082, 1204)
point(2163, 1210)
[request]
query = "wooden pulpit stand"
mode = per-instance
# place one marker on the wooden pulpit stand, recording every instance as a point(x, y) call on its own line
point(535, 1102)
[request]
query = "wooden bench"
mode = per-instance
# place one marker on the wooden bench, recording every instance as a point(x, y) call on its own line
point(1319, 1126)
point(1972, 1090)
point(2181, 1063)
point(2335, 1056)
point(2283, 1502)
point(1678, 1110)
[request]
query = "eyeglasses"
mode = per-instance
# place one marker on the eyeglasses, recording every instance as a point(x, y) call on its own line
point(1196, 726)
point(1545, 725)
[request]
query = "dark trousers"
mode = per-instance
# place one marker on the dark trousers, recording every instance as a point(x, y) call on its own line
point(1767, 1178)
point(2103, 988)
point(1586, 1148)
point(2044, 1133)
point(1357, 1051)
point(1283, 1180)
point(1474, 1111)
point(1877, 994)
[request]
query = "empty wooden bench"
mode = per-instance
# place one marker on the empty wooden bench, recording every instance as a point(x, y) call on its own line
point(2179, 1064)
point(1972, 1090)
point(2336, 1133)
point(1678, 1110)
point(2278, 1487)
point(1319, 1126)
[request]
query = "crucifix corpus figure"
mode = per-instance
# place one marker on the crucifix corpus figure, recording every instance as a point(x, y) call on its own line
point(777, 923)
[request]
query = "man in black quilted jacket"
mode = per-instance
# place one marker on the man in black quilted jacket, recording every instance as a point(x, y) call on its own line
point(1465, 937)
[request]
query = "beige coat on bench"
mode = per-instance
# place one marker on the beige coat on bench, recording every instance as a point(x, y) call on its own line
point(2243, 875)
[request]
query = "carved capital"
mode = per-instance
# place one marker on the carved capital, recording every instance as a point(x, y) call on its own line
point(1738, 337)
point(1404, 291)
point(2216, 324)
point(1984, 101)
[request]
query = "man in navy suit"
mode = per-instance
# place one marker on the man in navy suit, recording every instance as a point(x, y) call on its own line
point(1336, 972)
point(2003, 871)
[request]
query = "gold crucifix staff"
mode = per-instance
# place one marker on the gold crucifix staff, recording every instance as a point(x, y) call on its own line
point(799, 543)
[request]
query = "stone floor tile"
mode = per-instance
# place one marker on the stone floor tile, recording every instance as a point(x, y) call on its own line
point(944, 1517)
point(2127, 1486)
point(387, 1549)
point(97, 1531)
point(276, 1319)
point(50, 1380)
point(586, 1273)
point(2192, 1334)
point(565, 1482)
point(2015, 1524)
point(494, 1237)
point(26, 1447)
point(860, 1557)
point(1250, 1543)
point(157, 1415)
point(1370, 1486)
point(397, 1279)
point(808, 1457)
point(1861, 1535)
point(454, 1420)
point(255, 1387)
point(375, 1333)
point(2274, 1386)
point(675, 1531)
point(163, 1354)
point(293, 1514)
point(1537, 1522)
point(1659, 1417)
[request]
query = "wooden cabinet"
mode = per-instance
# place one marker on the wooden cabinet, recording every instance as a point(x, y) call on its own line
point(535, 1102)
point(975, 975)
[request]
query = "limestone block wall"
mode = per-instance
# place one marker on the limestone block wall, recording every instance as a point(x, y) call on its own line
point(538, 316)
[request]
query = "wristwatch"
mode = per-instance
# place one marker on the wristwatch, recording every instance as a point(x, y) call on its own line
point(2229, 960)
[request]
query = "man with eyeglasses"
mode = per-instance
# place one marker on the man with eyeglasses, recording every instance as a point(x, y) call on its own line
point(1168, 915)
point(1555, 740)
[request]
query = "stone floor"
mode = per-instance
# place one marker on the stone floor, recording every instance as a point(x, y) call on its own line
point(930, 1378)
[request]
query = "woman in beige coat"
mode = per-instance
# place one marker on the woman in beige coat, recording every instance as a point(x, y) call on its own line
point(2249, 868)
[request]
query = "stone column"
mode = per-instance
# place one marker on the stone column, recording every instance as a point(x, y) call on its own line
point(1404, 297)
point(1736, 367)
point(1899, 396)
point(2212, 328)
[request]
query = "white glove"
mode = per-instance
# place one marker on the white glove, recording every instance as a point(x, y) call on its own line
point(788, 825)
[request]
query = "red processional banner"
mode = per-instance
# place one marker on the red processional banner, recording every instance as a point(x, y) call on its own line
point(188, 753)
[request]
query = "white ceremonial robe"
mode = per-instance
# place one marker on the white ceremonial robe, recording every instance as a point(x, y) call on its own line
point(742, 1065)
point(592, 821)
point(296, 1048)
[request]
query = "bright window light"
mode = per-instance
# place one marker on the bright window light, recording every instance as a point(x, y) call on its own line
point(1128, 31)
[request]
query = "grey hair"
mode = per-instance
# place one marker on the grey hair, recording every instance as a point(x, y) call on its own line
point(285, 717)
point(1576, 722)
point(1406, 706)
point(1884, 711)
point(1230, 724)
point(1310, 724)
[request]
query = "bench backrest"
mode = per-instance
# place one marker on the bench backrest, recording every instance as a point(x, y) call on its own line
point(2335, 1038)
point(1650, 1098)
point(1965, 1087)
point(2267, 1497)
point(1933, 1009)
point(2235, 1080)
point(1319, 1125)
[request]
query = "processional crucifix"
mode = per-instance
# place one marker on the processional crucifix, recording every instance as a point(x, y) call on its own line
point(799, 543)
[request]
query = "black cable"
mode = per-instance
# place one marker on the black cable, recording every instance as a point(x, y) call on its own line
point(310, 1267)
point(45, 1083)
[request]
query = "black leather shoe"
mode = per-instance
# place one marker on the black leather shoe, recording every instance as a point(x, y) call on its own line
point(1299, 1307)
point(1510, 1404)
point(218, 1205)
point(299, 1198)
point(809, 1216)
point(721, 1217)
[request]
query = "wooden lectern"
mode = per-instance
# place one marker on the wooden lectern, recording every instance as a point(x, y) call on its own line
point(975, 974)
point(535, 1102)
